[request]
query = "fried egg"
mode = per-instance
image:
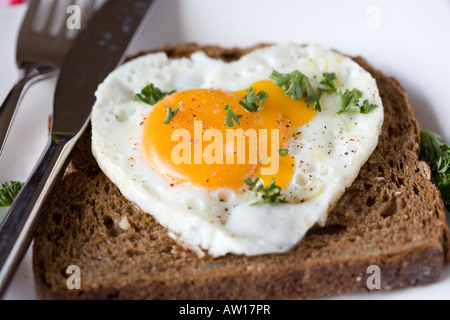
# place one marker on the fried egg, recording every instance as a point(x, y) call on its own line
point(189, 172)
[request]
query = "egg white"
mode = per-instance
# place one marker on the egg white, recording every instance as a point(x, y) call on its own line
point(329, 151)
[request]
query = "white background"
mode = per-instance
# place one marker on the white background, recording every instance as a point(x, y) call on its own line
point(409, 40)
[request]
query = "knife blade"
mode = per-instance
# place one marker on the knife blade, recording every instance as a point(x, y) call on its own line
point(97, 51)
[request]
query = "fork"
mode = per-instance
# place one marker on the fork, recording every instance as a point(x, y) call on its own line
point(39, 52)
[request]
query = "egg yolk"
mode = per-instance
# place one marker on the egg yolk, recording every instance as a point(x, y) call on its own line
point(198, 148)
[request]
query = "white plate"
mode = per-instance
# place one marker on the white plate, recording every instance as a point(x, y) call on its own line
point(405, 39)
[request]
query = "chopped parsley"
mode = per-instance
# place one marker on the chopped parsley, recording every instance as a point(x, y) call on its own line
point(314, 100)
point(269, 195)
point(298, 86)
point(231, 116)
point(349, 101)
point(151, 94)
point(253, 101)
point(366, 107)
point(170, 114)
point(283, 152)
point(8, 192)
point(436, 154)
point(295, 84)
point(328, 82)
point(329, 87)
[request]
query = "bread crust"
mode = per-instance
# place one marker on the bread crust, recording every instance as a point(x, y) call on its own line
point(392, 217)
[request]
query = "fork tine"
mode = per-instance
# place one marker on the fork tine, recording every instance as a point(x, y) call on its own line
point(51, 16)
point(60, 31)
point(89, 7)
point(31, 14)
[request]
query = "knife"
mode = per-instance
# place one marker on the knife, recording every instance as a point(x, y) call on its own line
point(97, 51)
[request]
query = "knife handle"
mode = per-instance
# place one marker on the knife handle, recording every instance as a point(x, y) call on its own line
point(13, 99)
point(17, 228)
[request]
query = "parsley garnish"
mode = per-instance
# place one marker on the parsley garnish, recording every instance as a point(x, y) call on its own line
point(366, 107)
point(432, 147)
point(270, 194)
point(253, 101)
point(298, 86)
point(327, 81)
point(231, 116)
point(349, 102)
point(436, 154)
point(283, 152)
point(330, 88)
point(8, 192)
point(170, 114)
point(295, 84)
point(314, 100)
point(151, 94)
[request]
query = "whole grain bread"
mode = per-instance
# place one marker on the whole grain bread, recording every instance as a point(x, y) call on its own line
point(392, 216)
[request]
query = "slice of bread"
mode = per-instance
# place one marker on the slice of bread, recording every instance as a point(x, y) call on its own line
point(391, 217)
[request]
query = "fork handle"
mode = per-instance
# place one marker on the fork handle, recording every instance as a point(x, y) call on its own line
point(18, 226)
point(13, 99)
